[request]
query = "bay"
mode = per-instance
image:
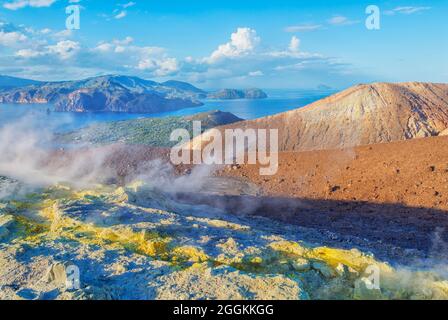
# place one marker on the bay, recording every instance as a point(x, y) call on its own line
point(41, 115)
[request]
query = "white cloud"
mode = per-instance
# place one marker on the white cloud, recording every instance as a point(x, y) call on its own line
point(45, 31)
point(11, 38)
point(19, 4)
point(296, 66)
point(121, 11)
point(28, 53)
point(406, 10)
point(104, 47)
point(342, 21)
point(252, 63)
point(257, 73)
point(118, 46)
point(303, 28)
point(294, 44)
point(126, 41)
point(128, 5)
point(160, 67)
point(293, 52)
point(45, 55)
point(242, 42)
point(152, 60)
point(121, 15)
point(64, 49)
point(62, 35)
point(49, 54)
point(59, 51)
point(106, 57)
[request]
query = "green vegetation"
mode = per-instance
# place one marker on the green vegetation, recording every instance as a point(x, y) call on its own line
point(149, 131)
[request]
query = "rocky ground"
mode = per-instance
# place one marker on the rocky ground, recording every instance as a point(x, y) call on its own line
point(309, 232)
point(413, 173)
point(394, 193)
point(134, 242)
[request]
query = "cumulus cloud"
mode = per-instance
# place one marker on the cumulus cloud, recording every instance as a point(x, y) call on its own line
point(154, 60)
point(11, 38)
point(242, 42)
point(19, 4)
point(28, 53)
point(242, 60)
point(62, 35)
point(292, 52)
point(54, 55)
point(294, 44)
point(40, 53)
point(406, 10)
point(64, 49)
point(160, 67)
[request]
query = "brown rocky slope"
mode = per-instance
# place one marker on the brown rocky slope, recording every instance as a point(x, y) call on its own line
point(391, 193)
point(361, 115)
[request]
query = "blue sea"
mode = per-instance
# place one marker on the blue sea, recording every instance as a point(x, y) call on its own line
point(278, 101)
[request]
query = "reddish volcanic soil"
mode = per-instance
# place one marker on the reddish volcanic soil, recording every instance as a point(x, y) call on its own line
point(413, 173)
point(392, 194)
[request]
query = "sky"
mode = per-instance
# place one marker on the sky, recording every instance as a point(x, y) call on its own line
point(269, 44)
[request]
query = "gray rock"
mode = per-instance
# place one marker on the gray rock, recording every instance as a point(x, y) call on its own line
point(324, 269)
point(6, 222)
point(301, 265)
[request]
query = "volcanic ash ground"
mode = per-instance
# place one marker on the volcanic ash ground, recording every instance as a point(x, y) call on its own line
point(134, 243)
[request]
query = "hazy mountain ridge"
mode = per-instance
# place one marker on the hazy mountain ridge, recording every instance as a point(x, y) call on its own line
point(111, 93)
point(7, 82)
point(104, 94)
point(184, 86)
point(361, 115)
point(228, 94)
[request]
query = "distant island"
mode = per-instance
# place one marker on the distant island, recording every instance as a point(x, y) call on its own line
point(228, 94)
point(114, 93)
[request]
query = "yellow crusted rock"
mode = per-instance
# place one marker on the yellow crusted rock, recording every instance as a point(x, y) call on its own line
point(188, 253)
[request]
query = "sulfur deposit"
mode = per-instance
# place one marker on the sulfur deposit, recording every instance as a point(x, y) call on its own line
point(135, 243)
